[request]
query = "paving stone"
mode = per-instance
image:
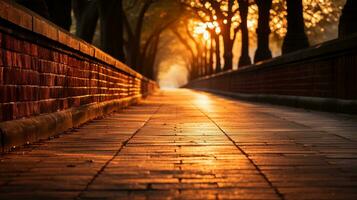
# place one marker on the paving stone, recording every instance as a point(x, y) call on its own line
point(183, 144)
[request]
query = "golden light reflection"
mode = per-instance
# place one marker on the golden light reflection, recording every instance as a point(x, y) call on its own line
point(203, 101)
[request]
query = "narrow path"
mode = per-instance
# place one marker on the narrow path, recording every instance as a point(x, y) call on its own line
point(182, 144)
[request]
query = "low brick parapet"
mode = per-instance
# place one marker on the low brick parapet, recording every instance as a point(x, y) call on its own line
point(322, 77)
point(45, 70)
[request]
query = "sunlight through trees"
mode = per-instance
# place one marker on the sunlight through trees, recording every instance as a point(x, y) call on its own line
point(203, 37)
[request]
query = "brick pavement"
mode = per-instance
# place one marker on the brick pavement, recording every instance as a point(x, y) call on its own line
point(182, 144)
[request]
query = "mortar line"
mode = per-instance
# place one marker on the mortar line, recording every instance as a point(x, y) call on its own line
point(281, 196)
point(124, 143)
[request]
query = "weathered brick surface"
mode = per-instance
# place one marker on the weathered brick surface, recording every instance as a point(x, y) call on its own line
point(328, 71)
point(44, 69)
point(183, 144)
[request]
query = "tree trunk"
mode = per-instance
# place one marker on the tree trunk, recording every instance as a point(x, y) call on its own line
point(37, 6)
point(263, 52)
point(228, 45)
point(348, 19)
point(60, 13)
point(205, 57)
point(295, 38)
point(86, 14)
point(136, 40)
point(217, 53)
point(148, 68)
point(211, 53)
point(228, 56)
point(111, 28)
point(192, 69)
point(225, 21)
point(243, 11)
point(200, 61)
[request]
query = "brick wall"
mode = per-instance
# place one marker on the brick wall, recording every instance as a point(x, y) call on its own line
point(327, 71)
point(43, 69)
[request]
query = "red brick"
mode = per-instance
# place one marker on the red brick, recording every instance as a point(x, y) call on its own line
point(44, 93)
point(9, 111)
point(16, 60)
point(35, 64)
point(47, 79)
point(26, 61)
point(10, 75)
point(63, 58)
point(60, 81)
point(44, 53)
point(7, 58)
point(1, 75)
point(47, 106)
point(34, 50)
point(19, 76)
point(27, 93)
point(26, 47)
point(2, 57)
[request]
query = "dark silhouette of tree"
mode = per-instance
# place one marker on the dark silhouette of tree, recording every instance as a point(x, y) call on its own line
point(199, 52)
point(224, 12)
point(60, 12)
point(110, 14)
point(150, 49)
point(215, 40)
point(217, 52)
point(37, 6)
point(295, 38)
point(134, 35)
point(211, 53)
point(263, 52)
point(348, 19)
point(226, 23)
point(243, 12)
point(86, 15)
point(111, 27)
point(193, 65)
point(205, 58)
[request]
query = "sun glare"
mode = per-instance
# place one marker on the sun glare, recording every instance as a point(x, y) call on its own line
point(203, 29)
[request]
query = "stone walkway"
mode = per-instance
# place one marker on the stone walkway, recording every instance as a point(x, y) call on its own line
point(182, 144)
